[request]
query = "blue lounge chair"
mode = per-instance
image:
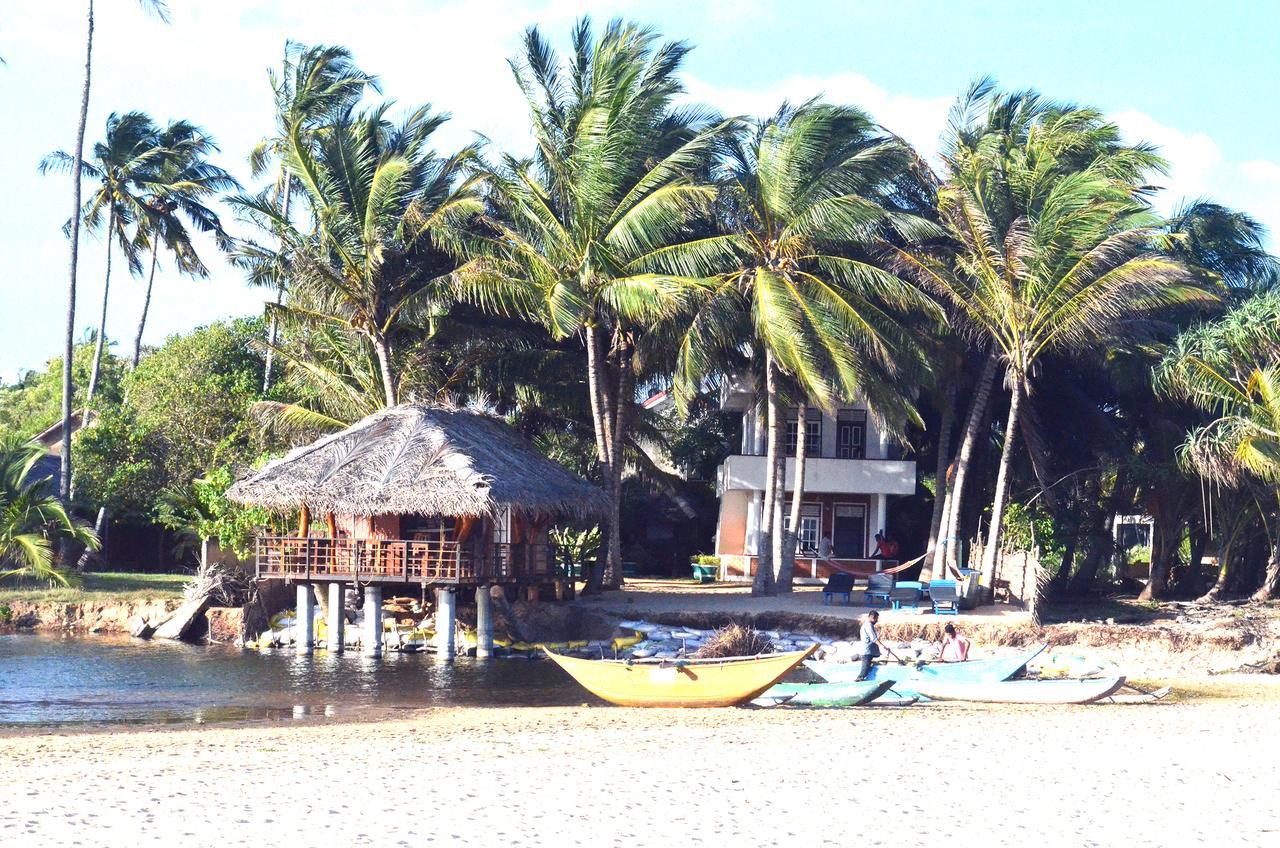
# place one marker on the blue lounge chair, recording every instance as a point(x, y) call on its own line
point(879, 587)
point(905, 593)
point(945, 597)
point(839, 584)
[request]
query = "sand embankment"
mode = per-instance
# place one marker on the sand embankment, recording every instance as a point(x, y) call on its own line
point(1163, 774)
point(105, 616)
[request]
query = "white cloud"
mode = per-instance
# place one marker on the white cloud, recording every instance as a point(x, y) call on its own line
point(919, 120)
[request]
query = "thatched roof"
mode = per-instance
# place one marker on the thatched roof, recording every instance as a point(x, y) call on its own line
point(425, 460)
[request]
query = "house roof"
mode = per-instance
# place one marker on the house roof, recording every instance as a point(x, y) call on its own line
point(425, 460)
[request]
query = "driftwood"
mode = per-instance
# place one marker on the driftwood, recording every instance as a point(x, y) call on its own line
point(514, 626)
point(141, 628)
point(180, 621)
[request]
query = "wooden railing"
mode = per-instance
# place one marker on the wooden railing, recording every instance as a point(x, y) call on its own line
point(405, 560)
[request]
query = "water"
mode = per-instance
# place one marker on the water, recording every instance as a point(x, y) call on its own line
point(58, 680)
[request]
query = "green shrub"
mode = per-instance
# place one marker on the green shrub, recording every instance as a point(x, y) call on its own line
point(6, 614)
point(704, 559)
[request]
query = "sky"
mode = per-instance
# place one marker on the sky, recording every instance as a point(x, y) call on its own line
point(1198, 79)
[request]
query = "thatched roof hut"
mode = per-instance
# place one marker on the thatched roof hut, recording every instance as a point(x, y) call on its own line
point(423, 460)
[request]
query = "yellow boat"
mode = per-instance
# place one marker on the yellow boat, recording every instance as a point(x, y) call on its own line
point(680, 683)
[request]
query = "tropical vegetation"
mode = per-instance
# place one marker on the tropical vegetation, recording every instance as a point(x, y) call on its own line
point(1025, 323)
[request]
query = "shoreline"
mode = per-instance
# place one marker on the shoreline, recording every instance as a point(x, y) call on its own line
point(1244, 689)
point(551, 776)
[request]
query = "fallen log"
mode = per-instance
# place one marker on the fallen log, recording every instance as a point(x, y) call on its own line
point(141, 628)
point(180, 621)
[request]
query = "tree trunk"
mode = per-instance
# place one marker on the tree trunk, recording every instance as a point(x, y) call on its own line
point(762, 584)
point(1101, 545)
point(1038, 453)
point(623, 400)
point(68, 388)
point(1161, 553)
point(102, 321)
point(1225, 552)
point(940, 485)
point(602, 427)
point(384, 366)
point(787, 568)
point(1270, 588)
point(146, 308)
point(948, 555)
point(273, 327)
point(992, 551)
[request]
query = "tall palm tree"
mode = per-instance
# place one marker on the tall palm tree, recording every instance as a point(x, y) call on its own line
point(32, 519)
point(577, 234)
point(179, 185)
point(122, 163)
point(1060, 279)
point(315, 84)
point(161, 10)
point(797, 195)
point(387, 213)
point(1015, 146)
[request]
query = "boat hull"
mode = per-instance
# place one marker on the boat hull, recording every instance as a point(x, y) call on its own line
point(688, 683)
point(973, 671)
point(829, 694)
point(1022, 691)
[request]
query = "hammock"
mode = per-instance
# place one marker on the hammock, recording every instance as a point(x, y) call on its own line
point(860, 572)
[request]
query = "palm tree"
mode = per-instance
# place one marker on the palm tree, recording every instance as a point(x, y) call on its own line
point(1060, 279)
point(161, 10)
point(1018, 145)
point(1231, 369)
point(315, 84)
point(804, 189)
point(578, 234)
point(179, 184)
point(387, 215)
point(32, 519)
point(122, 163)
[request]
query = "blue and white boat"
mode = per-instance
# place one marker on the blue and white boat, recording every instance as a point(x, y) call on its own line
point(906, 677)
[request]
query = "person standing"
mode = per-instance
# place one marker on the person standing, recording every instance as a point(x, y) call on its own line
point(870, 642)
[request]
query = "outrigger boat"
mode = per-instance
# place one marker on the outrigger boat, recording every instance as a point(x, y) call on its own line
point(828, 694)
point(680, 683)
point(971, 671)
point(1021, 691)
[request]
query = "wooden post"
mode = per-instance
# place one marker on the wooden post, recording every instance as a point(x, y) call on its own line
point(304, 522)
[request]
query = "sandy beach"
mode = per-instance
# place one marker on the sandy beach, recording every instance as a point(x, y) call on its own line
point(1164, 774)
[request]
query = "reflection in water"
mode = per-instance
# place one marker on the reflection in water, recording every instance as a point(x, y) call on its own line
point(48, 679)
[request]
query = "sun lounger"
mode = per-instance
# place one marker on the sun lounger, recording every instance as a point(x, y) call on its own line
point(905, 593)
point(879, 587)
point(839, 584)
point(945, 597)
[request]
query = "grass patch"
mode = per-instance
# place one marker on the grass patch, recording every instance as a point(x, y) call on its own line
point(98, 587)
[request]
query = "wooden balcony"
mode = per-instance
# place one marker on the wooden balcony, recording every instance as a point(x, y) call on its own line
point(403, 561)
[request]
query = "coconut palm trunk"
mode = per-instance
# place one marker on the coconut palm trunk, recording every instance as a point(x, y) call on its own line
point(273, 326)
point(1270, 588)
point(607, 396)
point(992, 551)
point(146, 307)
point(787, 568)
point(947, 557)
point(762, 584)
point(102, 321)
point(68, 388)
point(941, 489)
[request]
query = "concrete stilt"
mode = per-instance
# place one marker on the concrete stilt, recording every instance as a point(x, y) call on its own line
point(304, 634)
point(446, 620)
point(484, 622)
point(372, 640)
point(337, 624)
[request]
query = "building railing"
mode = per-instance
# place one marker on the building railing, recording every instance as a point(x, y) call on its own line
point(405, 560)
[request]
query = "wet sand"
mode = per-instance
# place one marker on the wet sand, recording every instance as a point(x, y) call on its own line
point(1162, 774)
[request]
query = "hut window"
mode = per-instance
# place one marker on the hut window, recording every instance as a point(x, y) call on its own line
point(502, 525)
point(422, 528)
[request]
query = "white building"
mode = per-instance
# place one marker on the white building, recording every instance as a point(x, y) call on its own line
point(850, 474)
